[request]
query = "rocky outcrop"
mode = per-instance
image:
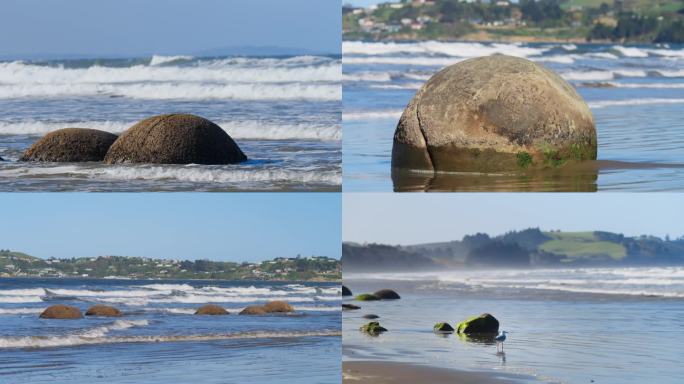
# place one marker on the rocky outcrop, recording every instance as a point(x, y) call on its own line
point(211, 309)
point(494, 113)
point(387, 294)
point(71, 145)
point(60, 311)
point(373, 328)
point(175, 139)
point(278, 307)
point(484, 323)
point(103, 311)
point(346, 291)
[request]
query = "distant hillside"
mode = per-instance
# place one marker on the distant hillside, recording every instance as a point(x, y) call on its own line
point(526, 248)
point(318, 268)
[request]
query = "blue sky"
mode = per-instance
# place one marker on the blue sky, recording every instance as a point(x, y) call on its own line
point(420, 218)
point(217, 226)
point(143, 27)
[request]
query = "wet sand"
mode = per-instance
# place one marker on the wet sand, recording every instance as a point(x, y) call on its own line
point(381, 372)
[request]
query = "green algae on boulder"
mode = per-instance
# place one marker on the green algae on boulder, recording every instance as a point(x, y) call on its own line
point(373, 328)
point(484, 323)
point(367, 297)
point(494, 113)
point(443, 327)
point(387, 294)
point(71, 145)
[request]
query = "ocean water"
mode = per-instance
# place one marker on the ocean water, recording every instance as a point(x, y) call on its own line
point(636, 94)
point(159, 340)
point(602, 325)
point(284, 112)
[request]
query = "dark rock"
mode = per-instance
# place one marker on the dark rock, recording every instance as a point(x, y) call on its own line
point(71, 145)
point(346, 291)
point(175, 139)
point(278, 307)
point(60, 311)
point(387, 294)
point(373, 328)
point(367, 297)
point(371, 316)
point(103, 310)
point(211, 309)
point(253, 310)
point(443, 327)
point(347, 307)
point(484, 323)
point(494, 113)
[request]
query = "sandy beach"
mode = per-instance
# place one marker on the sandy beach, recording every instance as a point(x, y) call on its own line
point(381, 372)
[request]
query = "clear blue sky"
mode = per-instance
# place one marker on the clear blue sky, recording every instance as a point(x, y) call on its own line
point(142, 27)
point(420, 218)
point(217, 226)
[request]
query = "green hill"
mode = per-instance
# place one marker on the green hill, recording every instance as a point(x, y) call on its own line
point(582, 245)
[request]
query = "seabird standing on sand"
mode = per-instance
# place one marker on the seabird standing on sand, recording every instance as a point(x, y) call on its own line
point(500, 338)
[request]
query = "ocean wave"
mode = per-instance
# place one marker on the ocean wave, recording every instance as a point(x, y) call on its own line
point(224, 71)
point(178, 91)
point(249, 130)
point(454, 49)
point(368, 76)
point(630, 51)
point(412, 85)
point(159, 59)
point(20, 311)
point(371, 115)
point(398, 60)
point(75, 340)
point(620, 103)
point(20, 299)
point(601, 75)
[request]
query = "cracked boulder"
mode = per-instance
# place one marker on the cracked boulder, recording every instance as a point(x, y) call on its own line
point(494, 113)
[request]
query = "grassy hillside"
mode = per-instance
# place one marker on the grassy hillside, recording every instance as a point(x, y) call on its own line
point(578, 245)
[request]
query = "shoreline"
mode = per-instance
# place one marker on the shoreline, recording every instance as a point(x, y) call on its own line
point(384, 372)
point(514, 39)
point(169, 279)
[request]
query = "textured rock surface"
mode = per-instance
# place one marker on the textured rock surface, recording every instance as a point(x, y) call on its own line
point(175, 139)
point(71, 145)
point(387, 294)
point(494, 113)
point(484, 323)
point(103, 310)
point(60, 311)
point(211, 309)
point(278, 307)
point(253, 310)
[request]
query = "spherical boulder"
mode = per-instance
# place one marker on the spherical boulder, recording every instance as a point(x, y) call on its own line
point(71, 145)
point(278, 307)
point(60, 311)
point(387, 294)
point(367, 297)
point(494, 113)
point(346, 291)
point(103, 310)
point(175, 139)
point(484, 323)
point(211, 309)
point(443, 328)
point(253, 310)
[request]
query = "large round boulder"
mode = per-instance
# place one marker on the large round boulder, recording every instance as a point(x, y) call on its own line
point(484, 323)
point(494, 113)
point(71, 145)
point(175, 139)
point(103, 310)
point(60, 311)
point(211, 309)
point(387, 294)
point(253, 310)
point(346, 291)
point(278, 307)
point(367, 297)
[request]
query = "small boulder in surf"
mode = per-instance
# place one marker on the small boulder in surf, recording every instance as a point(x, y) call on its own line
point(211, 309)
point(61, 311)
point(346, 291)
point(443, 328)
point(103, 310)
point(367, 297)
point(484, 323)
point(71, 145)
point(253, 310)
point(373, 328)
point(387, 294)
point(278, 306)
point(350, 307)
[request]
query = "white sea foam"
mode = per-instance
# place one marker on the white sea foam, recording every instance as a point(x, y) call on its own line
point(602, 75)
point(20, 311)
point(371, 115)
point(454, 49)
point(411, 85)
point(73, 340)
point(397, 60)
point(367, 76)
point(20, 299)
point(619, 103)
point(631, 51)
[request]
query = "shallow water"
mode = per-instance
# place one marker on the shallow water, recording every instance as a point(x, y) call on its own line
point(637, 112)
point(283, 112)
point(160, 340)
point(568, 326)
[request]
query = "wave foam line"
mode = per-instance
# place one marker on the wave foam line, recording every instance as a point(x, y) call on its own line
point(237, 129)
point(77, 340)
point(620, 103)
point(371, 115)
point(454, 49)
